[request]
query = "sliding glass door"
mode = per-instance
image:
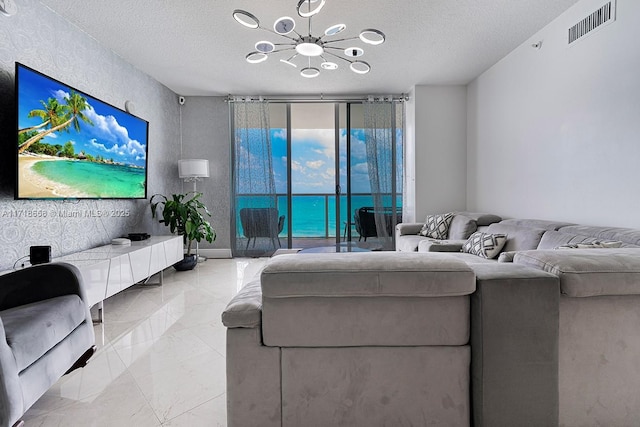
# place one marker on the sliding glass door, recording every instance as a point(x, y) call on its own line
point(371, 178)
point(322, 179)
point(312, 172)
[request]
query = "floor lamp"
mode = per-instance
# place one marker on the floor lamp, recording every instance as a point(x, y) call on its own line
point(192, 170)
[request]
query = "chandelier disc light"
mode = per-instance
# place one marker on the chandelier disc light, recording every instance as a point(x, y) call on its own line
point(321, 49)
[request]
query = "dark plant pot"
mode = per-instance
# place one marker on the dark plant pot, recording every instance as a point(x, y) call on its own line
point(187, 263)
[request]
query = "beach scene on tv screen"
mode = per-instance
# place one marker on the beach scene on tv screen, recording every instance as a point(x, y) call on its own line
point(71, 145)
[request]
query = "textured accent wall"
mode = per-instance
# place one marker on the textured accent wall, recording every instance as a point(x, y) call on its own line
point(43, 40)
point(205, 135)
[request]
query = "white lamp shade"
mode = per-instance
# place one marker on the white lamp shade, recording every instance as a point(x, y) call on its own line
point(193, 168)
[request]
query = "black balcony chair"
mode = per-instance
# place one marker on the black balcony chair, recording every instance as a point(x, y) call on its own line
point(261, 222)
point(365, 221)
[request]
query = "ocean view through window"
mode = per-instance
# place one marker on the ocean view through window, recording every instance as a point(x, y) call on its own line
point(321, 175)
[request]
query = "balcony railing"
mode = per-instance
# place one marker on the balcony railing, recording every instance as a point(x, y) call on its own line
point(313, 214)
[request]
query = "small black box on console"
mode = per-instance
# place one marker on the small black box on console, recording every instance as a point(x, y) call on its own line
point(134, 237)
point(39, 254)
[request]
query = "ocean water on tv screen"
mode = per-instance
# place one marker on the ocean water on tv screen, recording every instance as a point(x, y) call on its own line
point(95, 179)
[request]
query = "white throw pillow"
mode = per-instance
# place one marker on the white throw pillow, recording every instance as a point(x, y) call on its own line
point(437, 226)
point(484, 245)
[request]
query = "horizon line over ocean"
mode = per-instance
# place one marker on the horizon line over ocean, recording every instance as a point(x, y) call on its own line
point(312, 215)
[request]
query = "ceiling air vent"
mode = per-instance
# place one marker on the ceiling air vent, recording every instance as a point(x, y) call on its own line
point(605, 15)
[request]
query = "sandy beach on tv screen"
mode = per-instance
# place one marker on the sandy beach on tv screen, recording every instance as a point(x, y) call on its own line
point(34, 185)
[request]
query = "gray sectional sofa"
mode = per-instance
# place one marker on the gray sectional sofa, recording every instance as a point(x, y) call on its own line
point(537, 336)
point(522, 234)
point(355, 339)
point(463, 224)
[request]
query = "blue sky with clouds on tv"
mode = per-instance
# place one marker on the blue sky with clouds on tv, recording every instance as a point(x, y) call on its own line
point(115, 134)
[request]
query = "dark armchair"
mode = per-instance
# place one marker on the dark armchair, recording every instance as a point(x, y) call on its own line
point(365, 221)
point(261, 222)
point(45, 332)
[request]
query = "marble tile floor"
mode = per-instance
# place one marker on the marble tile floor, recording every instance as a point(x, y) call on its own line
point(160, 358)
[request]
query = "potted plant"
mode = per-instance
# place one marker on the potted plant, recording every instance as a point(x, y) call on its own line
point(184, 214)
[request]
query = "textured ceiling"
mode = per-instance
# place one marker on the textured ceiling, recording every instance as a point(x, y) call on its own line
point(195, 47)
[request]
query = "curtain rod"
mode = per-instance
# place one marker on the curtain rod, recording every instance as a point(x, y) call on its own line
point(278, 99)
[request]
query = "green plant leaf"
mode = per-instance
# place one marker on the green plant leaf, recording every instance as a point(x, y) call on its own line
point(184, 214)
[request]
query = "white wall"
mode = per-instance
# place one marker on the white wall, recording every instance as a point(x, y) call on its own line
point(409, 167)
point(555, 133)
point(435, 150)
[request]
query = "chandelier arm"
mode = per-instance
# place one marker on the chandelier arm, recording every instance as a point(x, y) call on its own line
point(334, 47)
point(340, 40)
point(281, 50)
point(281, 35)
point(339, 57)
point(278, 51)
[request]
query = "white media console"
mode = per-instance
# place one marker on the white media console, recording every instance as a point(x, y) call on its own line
point(107, 270)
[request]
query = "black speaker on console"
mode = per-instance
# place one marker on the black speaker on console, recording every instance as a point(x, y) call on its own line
point(138, 236)
point(39, 254)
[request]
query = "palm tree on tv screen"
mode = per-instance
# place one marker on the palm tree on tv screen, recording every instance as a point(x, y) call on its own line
point(51, 115)
point(74, 109)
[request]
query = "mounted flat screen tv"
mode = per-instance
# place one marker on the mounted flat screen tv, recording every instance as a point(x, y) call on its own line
point(71, 145)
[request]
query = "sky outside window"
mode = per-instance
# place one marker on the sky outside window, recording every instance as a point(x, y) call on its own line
point(313, 163)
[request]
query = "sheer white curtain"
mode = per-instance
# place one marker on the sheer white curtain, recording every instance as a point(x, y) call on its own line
point(381, 125)
point(257, 222)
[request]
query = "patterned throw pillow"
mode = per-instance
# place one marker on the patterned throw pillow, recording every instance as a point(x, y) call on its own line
point(484, 245)
point(437, 226)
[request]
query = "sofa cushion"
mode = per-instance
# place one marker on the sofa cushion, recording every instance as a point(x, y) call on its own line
point(358, 321)
point(481, 218)
point(461, 227)
point(34, 329)
point(408, 228)
point(470, 258)
point(368, 274)
point(518, 238)
point(554, 239)
point(629, 236)
point(245, 309)
point(593, 245)
point(366, 299)
point(430, 245)
point(484, 245)
point(437, 226)
point(409, 243)
point(589, 272)
point(537, 223)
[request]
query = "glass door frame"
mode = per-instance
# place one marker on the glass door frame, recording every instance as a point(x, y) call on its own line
point(340, 233)
point(338, 192)
point(336, 126)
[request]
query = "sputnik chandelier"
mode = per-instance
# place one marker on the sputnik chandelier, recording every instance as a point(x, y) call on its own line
point(307, 45)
